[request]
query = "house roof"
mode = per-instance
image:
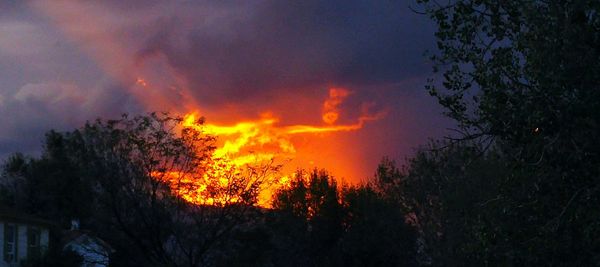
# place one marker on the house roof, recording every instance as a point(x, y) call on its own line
point(13, 215)
point(80, 236)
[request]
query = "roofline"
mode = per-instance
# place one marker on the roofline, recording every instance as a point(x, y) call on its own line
point(25, 219)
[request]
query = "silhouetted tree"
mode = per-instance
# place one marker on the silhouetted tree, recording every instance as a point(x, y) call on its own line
point(524, 77)
point(122, 178)
point(318, 223)
point(309, 220)
point(452, 194)
point(376, 232)
point(52, 186)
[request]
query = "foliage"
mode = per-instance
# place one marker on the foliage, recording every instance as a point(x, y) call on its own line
point(523, 77)
point(452, 196)
point(376, 232)
point(27, 184)
point(318, 223)
point(513, 66)
point(308, 221)
point(121, 178)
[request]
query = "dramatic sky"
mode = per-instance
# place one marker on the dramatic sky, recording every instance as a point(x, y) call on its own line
point(64, 62)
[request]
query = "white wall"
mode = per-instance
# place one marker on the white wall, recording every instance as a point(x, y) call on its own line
point(22, 242)
point(22, 239)
point(2, 263)
point(44, 240)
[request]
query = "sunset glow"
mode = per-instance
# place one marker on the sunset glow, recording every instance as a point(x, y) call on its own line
point(254, 144)
point(272, 87)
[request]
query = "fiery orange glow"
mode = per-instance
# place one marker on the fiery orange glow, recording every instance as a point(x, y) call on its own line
point(255, 143)
point(261, 140)
point(158, 83)
point(141, 82)
point(330, 107)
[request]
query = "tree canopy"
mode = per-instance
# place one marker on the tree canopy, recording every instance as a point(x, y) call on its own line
point(135, 183)
point(521, 78)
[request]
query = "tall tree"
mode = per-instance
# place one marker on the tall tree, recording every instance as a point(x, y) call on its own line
point(309, 219)
point(319, 223)
point(147, 185)
point(452, 193)
point(376, 231)
point(525, 77)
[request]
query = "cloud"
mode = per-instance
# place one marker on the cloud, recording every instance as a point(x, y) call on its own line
point(64, 62)
point(279, 46)
point(20, 39)
point(330, 106)
point(244, 52)
point(36, 108)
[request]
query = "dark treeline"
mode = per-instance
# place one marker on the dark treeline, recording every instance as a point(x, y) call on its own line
point(522, 79)
point(517, 185)
point(104, 175)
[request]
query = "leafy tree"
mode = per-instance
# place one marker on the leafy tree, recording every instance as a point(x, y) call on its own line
point(308, 221)
point(512, 67)
point(376, 232)
point(523, 77)
point(126, 178)
point(13, 182)
point(453, 196)
point(51, 186)
point(318, 223)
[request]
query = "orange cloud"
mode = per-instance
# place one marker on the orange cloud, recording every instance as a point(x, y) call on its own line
point(330, 106)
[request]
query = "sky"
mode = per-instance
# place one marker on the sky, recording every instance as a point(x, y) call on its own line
point(65, 62)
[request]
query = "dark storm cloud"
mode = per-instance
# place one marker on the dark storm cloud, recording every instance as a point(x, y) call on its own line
point(276, 45)
point(11, 6)
point(63, 62)
point(36, 108)
point(47, 82)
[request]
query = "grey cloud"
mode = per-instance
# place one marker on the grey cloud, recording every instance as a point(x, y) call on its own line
point(36, 108)
point(239, 53)
point(277, 46)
